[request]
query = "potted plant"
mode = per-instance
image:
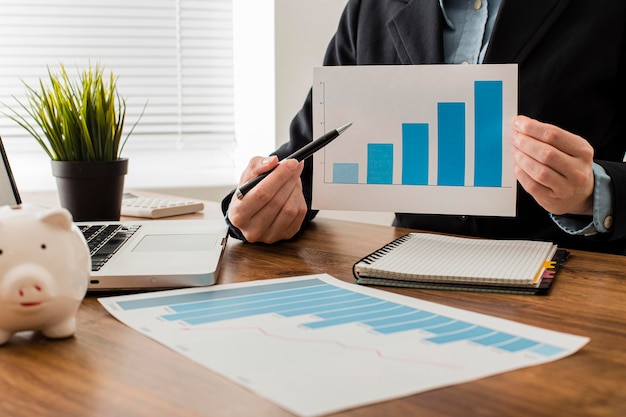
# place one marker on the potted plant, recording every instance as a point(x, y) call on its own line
point(79, 124)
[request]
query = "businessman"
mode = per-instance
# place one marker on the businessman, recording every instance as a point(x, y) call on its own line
point(568, 142)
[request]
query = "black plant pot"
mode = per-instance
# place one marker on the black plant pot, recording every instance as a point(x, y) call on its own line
point(91, 190)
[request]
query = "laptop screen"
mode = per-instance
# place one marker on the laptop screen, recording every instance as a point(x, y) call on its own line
point(8, 189)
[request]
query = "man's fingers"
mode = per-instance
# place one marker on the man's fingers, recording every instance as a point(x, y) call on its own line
point(551, 135)
point(533, 163)
point(553, 165)
point(257, 166)
point(274, 185)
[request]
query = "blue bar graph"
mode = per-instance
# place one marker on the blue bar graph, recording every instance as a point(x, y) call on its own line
point(451, 143)
point(326, 306)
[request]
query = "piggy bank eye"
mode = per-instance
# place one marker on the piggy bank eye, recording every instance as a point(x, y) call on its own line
point(43, 246)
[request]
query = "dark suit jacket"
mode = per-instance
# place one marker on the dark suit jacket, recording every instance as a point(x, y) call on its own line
point(572, 73)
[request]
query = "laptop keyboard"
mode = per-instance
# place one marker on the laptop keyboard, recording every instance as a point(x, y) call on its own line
point(104, 240)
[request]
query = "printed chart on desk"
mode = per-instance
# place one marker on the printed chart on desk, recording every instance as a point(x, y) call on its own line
point(316, 345)
point(424, 138)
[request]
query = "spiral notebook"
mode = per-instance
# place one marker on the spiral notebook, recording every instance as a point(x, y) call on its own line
point(425, 260)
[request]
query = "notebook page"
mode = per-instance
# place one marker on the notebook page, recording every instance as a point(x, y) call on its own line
point(438, 257)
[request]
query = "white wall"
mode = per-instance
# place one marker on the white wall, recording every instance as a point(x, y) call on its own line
point(303, 30)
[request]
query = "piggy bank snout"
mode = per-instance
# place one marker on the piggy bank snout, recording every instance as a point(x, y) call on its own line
point(27, 284)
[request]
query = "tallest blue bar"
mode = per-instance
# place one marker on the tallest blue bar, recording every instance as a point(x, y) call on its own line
point(488, 133)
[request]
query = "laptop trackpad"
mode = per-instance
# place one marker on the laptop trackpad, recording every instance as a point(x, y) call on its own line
point(176, 243)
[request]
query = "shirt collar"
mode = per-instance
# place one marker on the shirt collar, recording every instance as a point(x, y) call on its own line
point(445, 15)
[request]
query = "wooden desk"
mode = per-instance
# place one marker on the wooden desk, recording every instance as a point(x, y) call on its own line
point(108, 369)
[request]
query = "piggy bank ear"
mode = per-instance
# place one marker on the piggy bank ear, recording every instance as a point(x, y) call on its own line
point(58, 218)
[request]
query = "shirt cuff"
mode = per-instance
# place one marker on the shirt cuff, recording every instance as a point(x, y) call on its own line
point(602, 218)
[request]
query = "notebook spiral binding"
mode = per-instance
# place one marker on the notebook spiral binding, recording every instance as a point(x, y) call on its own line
point(385, 249)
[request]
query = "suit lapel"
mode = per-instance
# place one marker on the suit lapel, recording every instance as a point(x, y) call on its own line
point(416, 31)
point(520, 25)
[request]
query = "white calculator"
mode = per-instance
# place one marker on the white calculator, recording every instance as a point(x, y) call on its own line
point(154, 208)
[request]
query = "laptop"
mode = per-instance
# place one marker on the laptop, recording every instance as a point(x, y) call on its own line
point(143, 255)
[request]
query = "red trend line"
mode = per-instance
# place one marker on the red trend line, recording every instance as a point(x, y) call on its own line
point(342, 345)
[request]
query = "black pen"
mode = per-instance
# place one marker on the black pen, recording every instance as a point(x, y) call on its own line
point(300, 155)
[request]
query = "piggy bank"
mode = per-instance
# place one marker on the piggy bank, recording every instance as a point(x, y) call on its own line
point(44, 271)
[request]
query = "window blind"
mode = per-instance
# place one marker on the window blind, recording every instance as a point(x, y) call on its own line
point(174, 56)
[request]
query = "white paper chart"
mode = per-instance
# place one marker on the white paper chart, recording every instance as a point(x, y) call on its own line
point(424, 138)
point(316, 345)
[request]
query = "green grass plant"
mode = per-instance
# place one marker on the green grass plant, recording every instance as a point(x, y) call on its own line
point(76, 120)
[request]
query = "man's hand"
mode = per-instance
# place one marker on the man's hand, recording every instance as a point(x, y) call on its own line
point(554, 166)
point(275, 208)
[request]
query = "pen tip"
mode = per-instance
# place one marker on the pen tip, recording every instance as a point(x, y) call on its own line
point(341, 129)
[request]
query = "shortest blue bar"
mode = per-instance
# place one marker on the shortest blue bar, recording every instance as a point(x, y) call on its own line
point(345, 173)
point(547, 350)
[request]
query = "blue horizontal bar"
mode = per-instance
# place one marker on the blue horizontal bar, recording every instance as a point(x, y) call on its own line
point(248, 312)
point(395, 321)
point(170, 300)
point(494, 339)
point(403, 314)
point(299, 294)
point(517, 345)
point(354, 318)
point(234, 314)
point(374, 306)
point(413, 325)
point(452, 327)
point(469, 334)
point(339, 303)
point(278, 304)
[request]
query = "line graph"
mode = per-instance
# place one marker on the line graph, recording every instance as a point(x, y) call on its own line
point(341, 344)
point(283, 338)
